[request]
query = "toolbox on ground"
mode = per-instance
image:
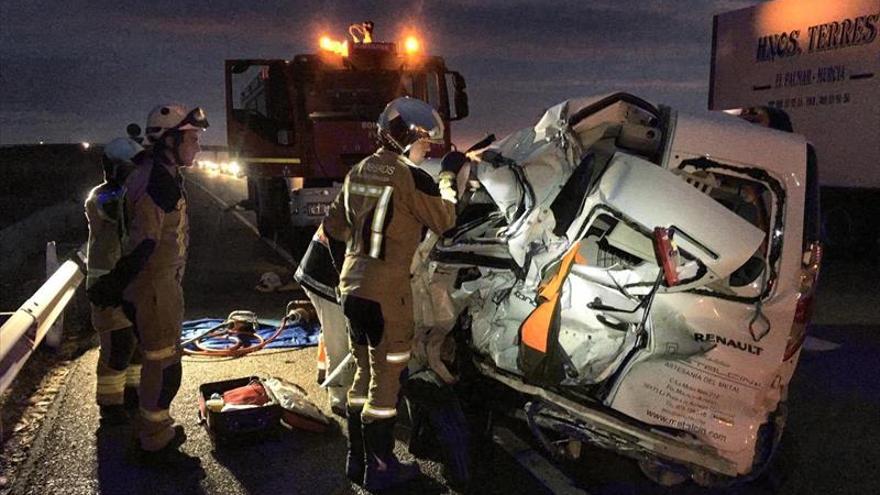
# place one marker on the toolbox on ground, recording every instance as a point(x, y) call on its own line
point(252, 407)
point(236, 424)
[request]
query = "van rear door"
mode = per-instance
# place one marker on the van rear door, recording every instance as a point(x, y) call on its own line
point(641, 195)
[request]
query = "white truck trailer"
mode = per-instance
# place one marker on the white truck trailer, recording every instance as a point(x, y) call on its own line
point(819, 61)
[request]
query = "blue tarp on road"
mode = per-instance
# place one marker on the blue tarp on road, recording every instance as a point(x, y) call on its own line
point(293, 335)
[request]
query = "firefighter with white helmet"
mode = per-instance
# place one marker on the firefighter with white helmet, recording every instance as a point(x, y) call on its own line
point(118, 360)
point(378, 220)
point(146, 281)
point(174, 116)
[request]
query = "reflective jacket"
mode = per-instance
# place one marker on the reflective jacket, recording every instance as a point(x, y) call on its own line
point(104, 208)
point(158, 222)
point(381, 214)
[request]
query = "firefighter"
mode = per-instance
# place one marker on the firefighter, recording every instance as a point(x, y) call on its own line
point(146, 281)
point(118, 360)
point(380, 215)
point(318, 278)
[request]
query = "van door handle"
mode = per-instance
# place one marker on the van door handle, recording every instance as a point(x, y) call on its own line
point(614, 323)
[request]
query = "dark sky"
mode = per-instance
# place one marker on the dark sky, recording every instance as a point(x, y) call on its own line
point(80, 70)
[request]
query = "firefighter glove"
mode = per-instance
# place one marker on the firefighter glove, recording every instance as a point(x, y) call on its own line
point(452, 162)
point(105, 292)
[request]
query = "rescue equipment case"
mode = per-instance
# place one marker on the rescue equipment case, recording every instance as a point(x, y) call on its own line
point(279, 403)
point(238, 424)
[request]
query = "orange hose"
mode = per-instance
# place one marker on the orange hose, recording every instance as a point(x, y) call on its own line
point(237, 350)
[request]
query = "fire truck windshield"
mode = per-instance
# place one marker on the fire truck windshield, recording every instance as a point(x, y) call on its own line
point(361, 95)
point(273, 100)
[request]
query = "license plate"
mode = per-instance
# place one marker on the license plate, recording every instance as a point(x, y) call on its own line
point(318, 209)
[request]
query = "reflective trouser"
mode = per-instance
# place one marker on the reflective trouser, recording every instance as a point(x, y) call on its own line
point(154, 302)
point(119, 365)
point(381, 333)
point(335, 337)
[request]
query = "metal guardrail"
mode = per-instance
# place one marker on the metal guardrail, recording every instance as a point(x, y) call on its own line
point(25, 329)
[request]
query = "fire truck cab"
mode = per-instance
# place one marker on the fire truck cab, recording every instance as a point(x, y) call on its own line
point(296, 126)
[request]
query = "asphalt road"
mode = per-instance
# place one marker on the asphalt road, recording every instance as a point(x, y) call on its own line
point(72, 455)
point(829, 447)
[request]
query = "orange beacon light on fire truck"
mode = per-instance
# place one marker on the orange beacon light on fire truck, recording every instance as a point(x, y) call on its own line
point(411, 45)
point(333, 46)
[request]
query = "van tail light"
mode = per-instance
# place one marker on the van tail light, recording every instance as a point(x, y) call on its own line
point(666, 253)
point(806, 297)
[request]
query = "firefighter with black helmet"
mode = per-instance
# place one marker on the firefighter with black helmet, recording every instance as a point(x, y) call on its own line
point(119, 367)
point(319, 278)
point(377, 221)
point(146, 281)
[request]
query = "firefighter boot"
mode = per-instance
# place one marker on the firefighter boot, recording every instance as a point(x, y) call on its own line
point(384, 471)
point(113, 414)
point(131, 400)
point(354, 462)
point(170, 456)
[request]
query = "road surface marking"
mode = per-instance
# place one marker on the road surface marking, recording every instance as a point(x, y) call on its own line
point(549, 475)
point(813, 344)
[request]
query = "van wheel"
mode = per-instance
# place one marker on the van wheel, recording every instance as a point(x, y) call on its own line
point(661, 474)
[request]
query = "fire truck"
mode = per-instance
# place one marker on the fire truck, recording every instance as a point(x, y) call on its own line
point(296, 126)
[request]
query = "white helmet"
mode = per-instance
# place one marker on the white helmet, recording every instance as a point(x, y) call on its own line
point(118, 158)
point(406, 120)
point(122, 149)
point(174, 116)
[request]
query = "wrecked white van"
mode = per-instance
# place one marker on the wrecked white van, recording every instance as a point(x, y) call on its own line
point(564, 276)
